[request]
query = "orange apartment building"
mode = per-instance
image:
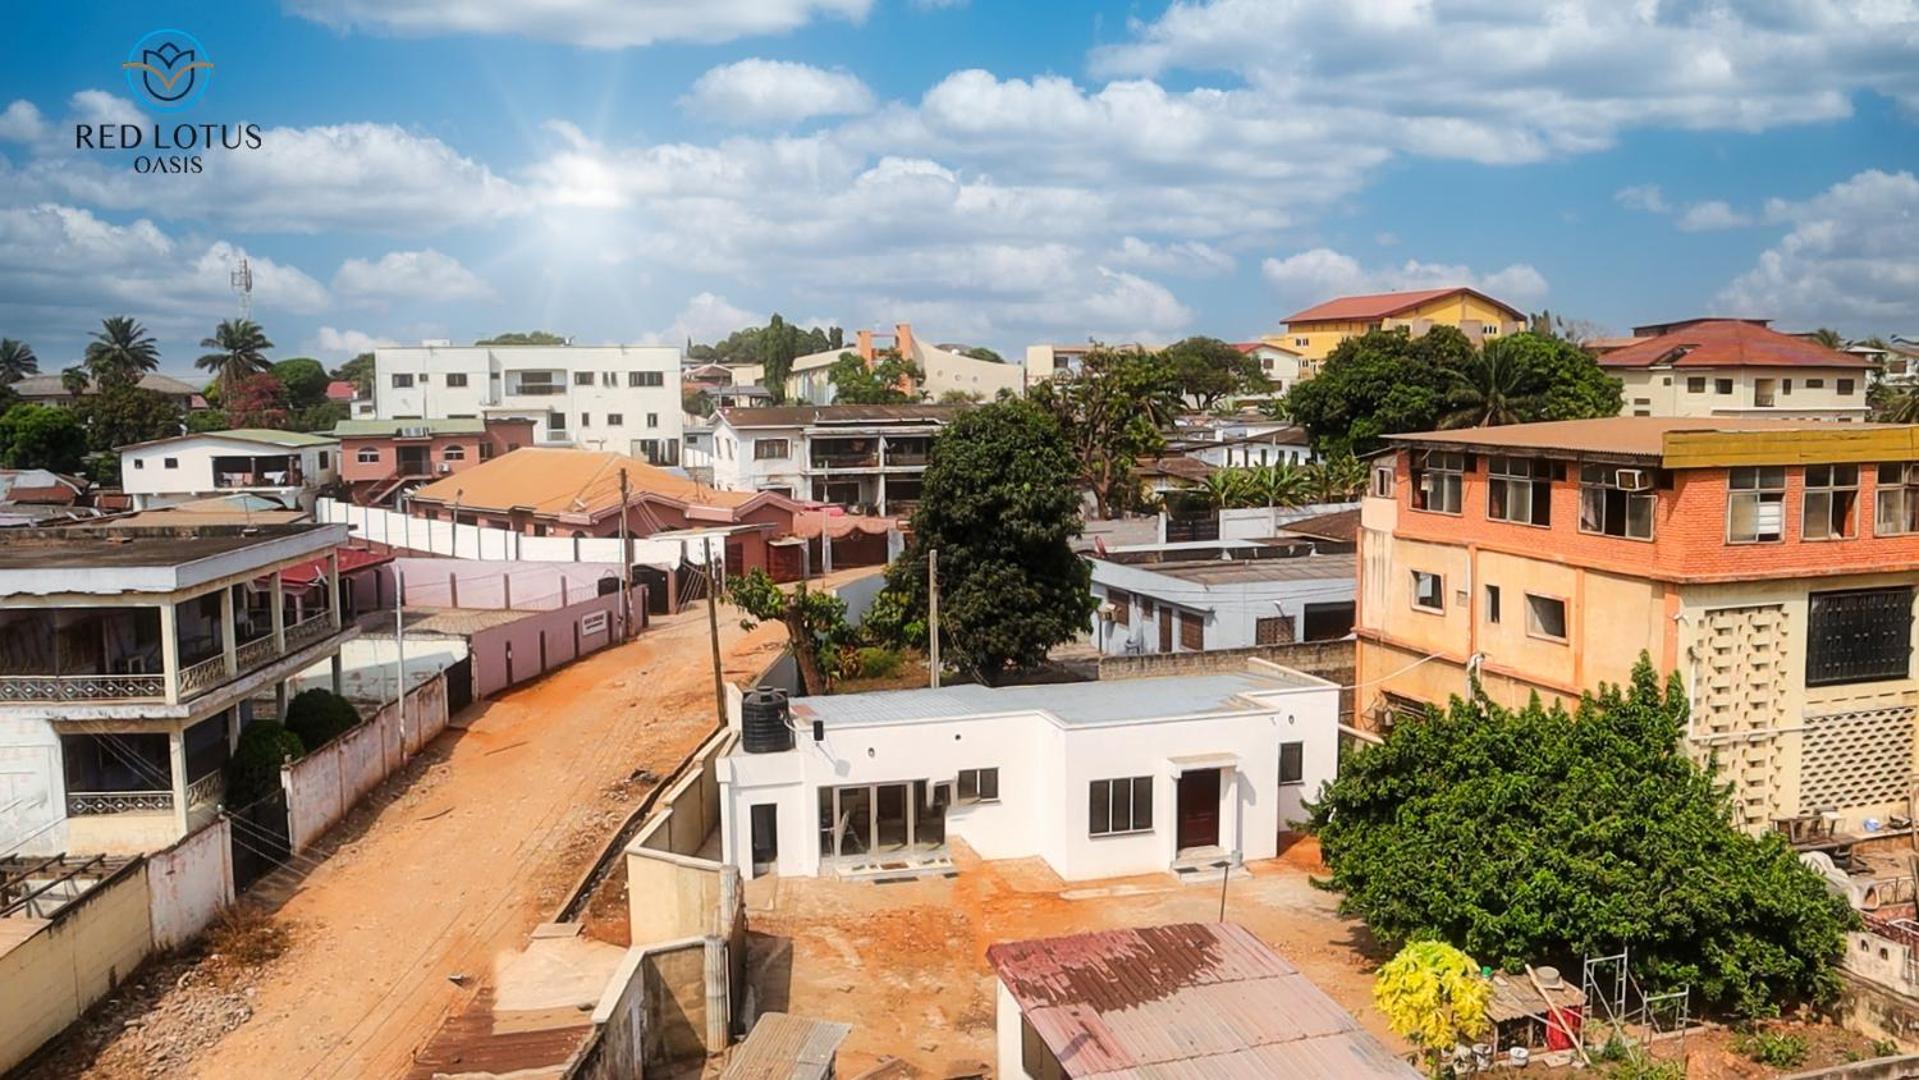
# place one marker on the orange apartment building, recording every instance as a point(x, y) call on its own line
point(1771, 563)
point(379, 459)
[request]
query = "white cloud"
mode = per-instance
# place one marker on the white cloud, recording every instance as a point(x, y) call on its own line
point(1189, 257)
point(21, 122)
point(773, 92)
point(708, 318)
point(1643, 197)
point(1712, 214)
point(335, 344)
point(1321, 273)
point(409, 275)
point(1850, 259)
point(600, 24)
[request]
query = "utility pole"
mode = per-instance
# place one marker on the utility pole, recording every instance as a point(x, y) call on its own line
point(455, 540)
point(626, 566)
point(399, 647)
point(713, 628)
point(933, 615)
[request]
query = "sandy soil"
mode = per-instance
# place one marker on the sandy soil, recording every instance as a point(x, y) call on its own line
point(465, 854)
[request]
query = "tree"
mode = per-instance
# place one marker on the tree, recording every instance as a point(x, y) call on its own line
point(321, 417)
point(253, 772)
point(239, 352)
point(815, 623)
point(121, 351)
point(527, 337)
point(1000, 504)
point(890, 380)
point(41, 437)
point(1210, 371)
point(75, 381)
point(122, 414)
point(318, 716)
point(957, 396)
point(1524, 378)
point(779, 346)
point(1894, 403)
point(1434, 997)
point(305, 380)
point(1537, 835)
point(358, 371)
point(981, 352)
point(256, 401)
point(17, 360)
point(1828, 337)
point(1112, 413)
point(203, 420)
point(1489, 391)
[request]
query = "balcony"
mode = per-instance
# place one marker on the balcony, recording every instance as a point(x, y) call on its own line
point(82, 688)
point(830, 454)
point(238, 473)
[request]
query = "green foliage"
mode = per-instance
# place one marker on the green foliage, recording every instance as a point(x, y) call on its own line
point(319, 716)
point(1434, 997)
point(695, 402)
point(254, 770)
point(41, 437)
point(981, 352)
point(358, 371)
point(123, 413)
point(239, 352)
point(1526, 377)
point(527, 337)
point(1286, 484)
point(1112, 414)
point(1883, 1047)
point(319, 417)
point(1209, 371)
point(17, 360)
point(121, 351)
point(815, 622)
point(1777, 1049)
point(961, 397)
point(890, 380)
point(875, 662)
point(1000, 504)
point(304, 379)
point(1894, 403)
point(207, 420)
point(1536, 835)
point(1637, 1068)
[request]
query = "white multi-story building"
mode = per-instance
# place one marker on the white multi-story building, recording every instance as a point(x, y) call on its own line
point(128, 660)
point(288, 466)
point(942, 371)
point(1233, 594)
point(623, 398)
point(1100, 779)
point(860, 456)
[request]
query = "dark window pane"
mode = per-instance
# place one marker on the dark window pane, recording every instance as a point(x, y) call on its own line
point(1100, 808)
point(1142, 802)
point(1859, 636)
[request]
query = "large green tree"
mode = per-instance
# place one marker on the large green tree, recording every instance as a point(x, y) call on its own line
point(17, 360)
point(1210, 371)
point(1538, 835)
point(239, 351)
point(1000, 505)
point(890, 380)
point(779, 345)
point(41, 437)
point(305, 379)
point(524, 337)
point(1112, 414)
point(1528, 377)
point(121, 351)
point(358, 371)
point(121, 414)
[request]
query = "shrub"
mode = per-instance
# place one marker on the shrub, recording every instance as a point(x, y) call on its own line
point(1637, 1069)
point(319, 716)
point(1777, 1049)
point(876, 663)
point(1885, 1048)
point(254, 771)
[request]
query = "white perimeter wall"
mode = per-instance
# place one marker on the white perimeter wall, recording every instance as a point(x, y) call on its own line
point(373, 524)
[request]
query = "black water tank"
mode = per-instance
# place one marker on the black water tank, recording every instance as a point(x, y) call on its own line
point(763, 722)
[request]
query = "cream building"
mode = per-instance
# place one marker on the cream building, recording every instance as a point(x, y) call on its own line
point(1735, 367)
point(1315, 332)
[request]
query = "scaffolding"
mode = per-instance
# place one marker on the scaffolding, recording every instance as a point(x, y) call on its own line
point(1620, 1014)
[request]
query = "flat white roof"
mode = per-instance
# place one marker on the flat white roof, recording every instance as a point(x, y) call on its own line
point(1073, 703)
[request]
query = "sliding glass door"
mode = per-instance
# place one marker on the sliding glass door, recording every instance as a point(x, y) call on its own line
point(883, 819)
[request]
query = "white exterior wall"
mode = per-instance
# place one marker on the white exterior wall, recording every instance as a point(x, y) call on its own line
point(493, 380)
point(1007, 1032)
point(1667, 392)
point(1045, 770)
point(736, 469)
point(145, 476)
point(1232, 611)
point(33, 791)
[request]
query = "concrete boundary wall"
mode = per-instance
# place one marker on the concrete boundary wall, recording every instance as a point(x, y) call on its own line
point(322, 786)
point(671, 891)
point(526, 648)
point(190, 884)
point(375, 525)
point(73, 960)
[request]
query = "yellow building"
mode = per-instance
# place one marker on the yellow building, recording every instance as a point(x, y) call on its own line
point(1317, 331)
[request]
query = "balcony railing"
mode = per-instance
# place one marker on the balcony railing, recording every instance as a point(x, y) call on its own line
point(309, 630)
point(83, 803)
point(204, 675)
point(905, 458)
point(846, 461)
point(207, 789)
point(252, 654)
point(538, 389)
point(82, 687)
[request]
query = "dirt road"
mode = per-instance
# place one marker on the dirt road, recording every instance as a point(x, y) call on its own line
point(476, 850)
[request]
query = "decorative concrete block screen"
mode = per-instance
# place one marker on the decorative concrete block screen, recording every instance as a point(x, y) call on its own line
point(1742, 688)
point(1856, 759)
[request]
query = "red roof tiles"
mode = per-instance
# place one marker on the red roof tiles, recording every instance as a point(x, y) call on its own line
point(1384, 305)
point(1726, 343)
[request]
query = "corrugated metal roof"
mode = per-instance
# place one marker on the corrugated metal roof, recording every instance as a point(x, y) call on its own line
point(1205, 1001)
point(1072, 703)
point(783, 1047)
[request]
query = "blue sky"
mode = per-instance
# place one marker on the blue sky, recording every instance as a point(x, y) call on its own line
point(996, 173)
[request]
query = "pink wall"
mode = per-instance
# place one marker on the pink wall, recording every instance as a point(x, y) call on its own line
point(522, 640)
point(490, 584)
point(502, 435)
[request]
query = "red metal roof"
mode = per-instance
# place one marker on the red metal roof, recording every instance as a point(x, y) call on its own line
point(1726, 343)
point(340, 390)
point(43, 495)
point(351, 559)
point(1385, 305)
point(1189, 1000)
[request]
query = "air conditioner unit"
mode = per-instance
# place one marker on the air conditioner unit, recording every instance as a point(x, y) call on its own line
point(417, 432)
point(442, 467)
point(1633, 480)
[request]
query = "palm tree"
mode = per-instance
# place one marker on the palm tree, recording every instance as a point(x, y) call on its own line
point(1828, 337)
point(1894, 403)
point(74, 380)
point(121, 351)
point(1486, 392)
point(1338, 479)
point(17, 360)
point(242, 349)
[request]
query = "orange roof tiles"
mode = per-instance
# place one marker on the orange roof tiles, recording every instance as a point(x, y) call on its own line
point(1384, 305)
point(1726, 343)
point(551, 480)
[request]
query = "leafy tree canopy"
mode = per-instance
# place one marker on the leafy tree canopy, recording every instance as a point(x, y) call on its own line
point(891, 380)
point(1112, 414)
point(526, 337)
point(317, 716)
point(815, 622)
point(41, 437)
point(1209, 371)
point(981, 352)
point(358, 371)
point(122, 413)
point(1434, 997)
point(239, 351)
point(256, 401)
point(17, 360)
point(1000, 504)
point(305, 379)
point(207, 420)
point(121, 351)
point(319, 418)
point(1537, 835)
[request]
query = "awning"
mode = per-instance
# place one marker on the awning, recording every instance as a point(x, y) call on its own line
point(1201, 762)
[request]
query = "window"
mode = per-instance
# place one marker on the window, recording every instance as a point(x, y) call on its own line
point(1382, 481)
point(1844, 387)
point(367, 456)
point(139, 463)
point(486, 451)
point(1785, 387)
point(454, 452)
point(1815, 384)
point(556, 421)
point(1324, 622)
point(582, 378)
point(1292, 763)
point(609, 378)
point(645, 378)
point(586, 419)
point(1490, 329)
point(770, 449)
point(326, 460)
point(1756, 504)
point(614, 419)
point(1546, 617)
point(1492, 603)
point(1722, 386)
point(402, 380)
point(1860, 635)
point(1762, 393)
point(652, 419)
point(170, 463)
point(979, 785)
point(1302, 343)
point(1831, 493)
point(1896, 506)
point(1122, 606)
point(1273, 630)
point(1438, 480)
point(1696, 384)
point(1429, 591)
point(1615, 501)
point(455, 378)
point(1192, 632)
point(1519, 490)
point(1121, 806)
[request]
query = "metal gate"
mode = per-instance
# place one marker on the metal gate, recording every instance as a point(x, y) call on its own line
point(459, 685)
point(261, 841)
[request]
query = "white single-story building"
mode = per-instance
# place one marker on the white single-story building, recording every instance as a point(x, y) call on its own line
point(288, 466)
point(1100, 779)
point(1201, 596)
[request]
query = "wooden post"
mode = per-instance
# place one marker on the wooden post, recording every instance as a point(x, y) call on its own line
point(333, 585)
point(933, 615)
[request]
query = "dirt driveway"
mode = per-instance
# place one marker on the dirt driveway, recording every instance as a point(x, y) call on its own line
point(905, 963)
point(459, 860)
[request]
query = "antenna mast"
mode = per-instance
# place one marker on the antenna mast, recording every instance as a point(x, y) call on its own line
point(241, 278)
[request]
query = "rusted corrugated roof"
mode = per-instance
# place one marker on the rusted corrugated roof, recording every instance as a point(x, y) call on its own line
point(783, 1047)
point(1190, 1000)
